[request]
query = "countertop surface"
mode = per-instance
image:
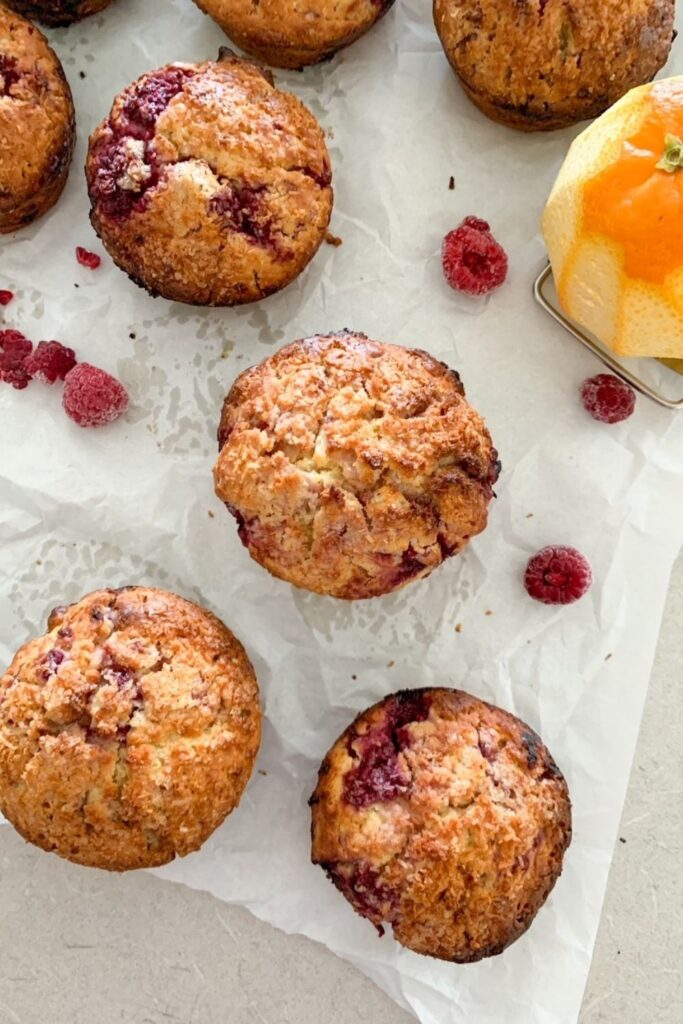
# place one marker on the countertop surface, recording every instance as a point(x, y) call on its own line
point(80, 946)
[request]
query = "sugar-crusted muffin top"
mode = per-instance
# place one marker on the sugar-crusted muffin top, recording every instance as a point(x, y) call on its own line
point(292, 34)
point(36, 112)
point(128, 731)
point(353, 466)
point(208, 184)
point(553, 59)
point(444, 816)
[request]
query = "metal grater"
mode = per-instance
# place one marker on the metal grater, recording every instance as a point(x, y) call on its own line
point(544, 293)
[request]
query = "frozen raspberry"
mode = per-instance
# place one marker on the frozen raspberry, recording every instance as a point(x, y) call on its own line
point(607, 398)
point(473, 261)
point(50, 361)
point(92, 397)
point(16, 376)
point(87, 258)
point(558, 575)
point(5, 297)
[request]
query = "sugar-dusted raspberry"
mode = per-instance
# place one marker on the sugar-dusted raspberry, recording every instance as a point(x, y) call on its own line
point(93, 397)
point(558, 575)
point(607, 398)
point(5, 297)
point(473, 261)
point(87, 258)
point(50, 361)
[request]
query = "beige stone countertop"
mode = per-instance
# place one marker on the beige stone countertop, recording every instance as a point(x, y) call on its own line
point(84, 947)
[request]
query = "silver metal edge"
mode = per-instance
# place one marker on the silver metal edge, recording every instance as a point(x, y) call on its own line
point(602, 355)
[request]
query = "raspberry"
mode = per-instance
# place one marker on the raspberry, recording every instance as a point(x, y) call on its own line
point(5, 297)
point(14, 348)
point(92, 397)
point(558, 575)
point(87, 258)
point(51, 361)
point(607, 398)
point(473, 261)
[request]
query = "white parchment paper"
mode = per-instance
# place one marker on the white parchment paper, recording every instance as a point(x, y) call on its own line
point(134, 503)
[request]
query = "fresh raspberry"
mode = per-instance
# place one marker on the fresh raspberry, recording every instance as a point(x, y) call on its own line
point(92, 397)
point(87, 258)
point(5, 297)
point(607, 398)
point(50, 361)
point(473, 261)
point(558, 575)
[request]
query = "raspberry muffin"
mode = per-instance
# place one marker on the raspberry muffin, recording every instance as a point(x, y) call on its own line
point(352, 466)
point(128, 732)
point(37, 123)
point(543, 64)
point(292, 35)
point(58, 12)
point(445, 817)
point(209, 185)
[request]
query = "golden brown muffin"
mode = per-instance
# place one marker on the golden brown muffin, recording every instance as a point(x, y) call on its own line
point(351, 466)
point(290, 34)
point(444, 816)
point(58, 12)
point(37, 123)
point(209, 185)
point(543, 64)
point(128, 732)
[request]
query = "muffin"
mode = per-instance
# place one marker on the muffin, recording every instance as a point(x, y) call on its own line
point(352, 466)
point(37, 123)
point(208, 185)
point(128, 732)
point(543, 64)
point(58, 12)
point(290, 35)
point(445, 817)
point(614, 220)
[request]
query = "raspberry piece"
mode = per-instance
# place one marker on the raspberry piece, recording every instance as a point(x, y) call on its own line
point(93, 397)
point(14, 348)
point(473, 261)
point(50, 361)
point(477, 223)
point(17, 376)
point(5, 297)
point(558, 575)
point(87, 258)
point(607, 398)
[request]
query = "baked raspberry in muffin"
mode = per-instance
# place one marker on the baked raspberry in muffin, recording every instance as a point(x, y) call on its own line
point(445, 817)
point(352, 466)
point(37, 123)
point(289, 35)
point(209, 185)
point(58, 12)
point(128, 732)
point(543, 64)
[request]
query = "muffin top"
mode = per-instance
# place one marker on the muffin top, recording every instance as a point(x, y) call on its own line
point(290, 34)
point(58, 12)
point(554, 59)
point(128, 731)
point(446, 817)
point(36, 111)
point(353, 466)
point(208, 184)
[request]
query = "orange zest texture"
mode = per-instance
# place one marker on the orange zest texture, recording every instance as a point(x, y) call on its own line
point(638, 204)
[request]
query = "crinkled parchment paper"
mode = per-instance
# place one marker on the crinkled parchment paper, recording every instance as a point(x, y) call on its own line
point(133, 503)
